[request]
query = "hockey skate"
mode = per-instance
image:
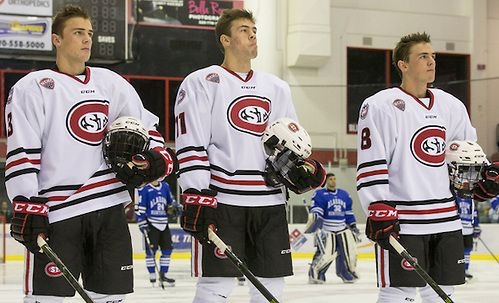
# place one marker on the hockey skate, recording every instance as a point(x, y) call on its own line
point(152, 278)
point(168, 281)
point(241, 281)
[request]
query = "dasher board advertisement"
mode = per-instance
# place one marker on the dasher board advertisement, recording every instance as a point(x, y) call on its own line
point(26, 7)
point(25, 33)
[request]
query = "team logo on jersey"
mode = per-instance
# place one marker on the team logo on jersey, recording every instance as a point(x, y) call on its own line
point(47, 83)
point(428, 145)
point(249, 114)
point(400, 104)
point(52, 270)
point(181, 96)
point(213, 77)
point(454, 146)
point(219, 254)
point(87, 121)
point(406, 265)
point(364, 110)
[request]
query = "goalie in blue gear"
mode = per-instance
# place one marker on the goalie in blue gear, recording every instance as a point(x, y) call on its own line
point(332, 219)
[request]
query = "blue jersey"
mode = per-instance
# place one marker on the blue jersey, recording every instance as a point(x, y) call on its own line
point(494, 203)
point(468, 214)
point(153, 204)
point(334, 207)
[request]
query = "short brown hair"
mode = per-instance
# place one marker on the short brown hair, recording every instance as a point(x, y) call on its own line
point(401, 51)
point(68, 12)
point(225, 22)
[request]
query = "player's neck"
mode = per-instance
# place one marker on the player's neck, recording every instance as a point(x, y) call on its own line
point(237, 65)
point(70, 68)
point(415, 88)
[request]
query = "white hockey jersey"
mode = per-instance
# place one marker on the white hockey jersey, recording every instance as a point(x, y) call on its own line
point(401, 156)
point(220, 118)
point(55, 126)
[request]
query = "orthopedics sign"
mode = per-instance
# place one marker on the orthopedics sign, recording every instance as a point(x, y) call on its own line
point(26, 7)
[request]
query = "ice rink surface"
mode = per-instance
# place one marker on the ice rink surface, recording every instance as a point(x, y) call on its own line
point(484, 287)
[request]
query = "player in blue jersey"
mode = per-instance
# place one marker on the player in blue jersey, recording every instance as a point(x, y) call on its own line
point(471, 228)
point(331, 211)
point(494, 210)
point(155, 201)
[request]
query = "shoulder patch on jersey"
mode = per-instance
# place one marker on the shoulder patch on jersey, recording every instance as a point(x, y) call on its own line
point(428, 145)
point(400, 104)
point(181, 96)
point(213, 77)
point(87, 120)
point(47, 83)
point(364, 110)
point(11, 93)
point(249, 114)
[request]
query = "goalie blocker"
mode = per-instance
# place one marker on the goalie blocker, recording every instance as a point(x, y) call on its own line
point(288, 146)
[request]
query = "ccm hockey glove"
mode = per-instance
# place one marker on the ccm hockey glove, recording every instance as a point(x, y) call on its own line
point(488, 186)
point(382, 222)
point(29, 220)
point(199, 212)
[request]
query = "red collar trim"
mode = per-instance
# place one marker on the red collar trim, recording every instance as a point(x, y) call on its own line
point(428, 92)
point(87, 75)
point(248, 76)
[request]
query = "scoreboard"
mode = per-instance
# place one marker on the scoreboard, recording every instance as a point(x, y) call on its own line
point(27, 37)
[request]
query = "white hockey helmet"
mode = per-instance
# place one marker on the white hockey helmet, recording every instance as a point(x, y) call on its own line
point(125, 138)
point(285, 133)
point(465, 160)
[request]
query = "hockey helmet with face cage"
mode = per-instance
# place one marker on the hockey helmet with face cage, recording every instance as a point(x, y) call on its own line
point(286, 134)
point(465, 160)
point(125, 138)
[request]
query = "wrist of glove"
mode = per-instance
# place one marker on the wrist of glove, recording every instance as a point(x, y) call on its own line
point(382, 222)
point(198, 212)
point(146, 167)
point(30, 219)
point(488, 186)
point(144, 227)
point(355, 232)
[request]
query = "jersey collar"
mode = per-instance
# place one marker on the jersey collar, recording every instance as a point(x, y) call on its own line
point(248, 77)
point(87, 75)
point(428, 93)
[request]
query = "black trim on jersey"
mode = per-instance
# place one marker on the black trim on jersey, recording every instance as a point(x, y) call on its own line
point(371, 163)
point(89, 197)
point(21, 172)
point(190, 148)
point(102, 172)
point(238, 172)
point(60, 188)
point(246, 192)
point(423, 202)
point(430, 221)
point(23, 150)
point(371, 183)
point(194, 167)
point(156, 140)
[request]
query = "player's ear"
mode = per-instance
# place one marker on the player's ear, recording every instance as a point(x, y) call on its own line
point(402, 65)
point(56, 40)
point(224, 40)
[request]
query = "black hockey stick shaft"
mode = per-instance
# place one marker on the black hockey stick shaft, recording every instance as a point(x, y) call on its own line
point(420, 271)
point(62, 267)
point(490, 251)
point(148, 243)
point(240, 266)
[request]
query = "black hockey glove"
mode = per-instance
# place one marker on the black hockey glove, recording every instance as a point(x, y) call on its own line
point(488, 186)
point(146, 167)
point(144, 227)
point(30, 219)
point(199, 212)
point(382, 222)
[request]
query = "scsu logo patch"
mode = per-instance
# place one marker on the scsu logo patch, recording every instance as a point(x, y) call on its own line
point(249, 114)
point(406, 265)
point(219, 254)
point(87, 120)
point(428, 145)
point(52, 270)
point(47, 83)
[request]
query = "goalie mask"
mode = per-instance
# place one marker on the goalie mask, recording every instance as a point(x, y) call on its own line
point(465, 160)
point(286, 134)
point(125, 138)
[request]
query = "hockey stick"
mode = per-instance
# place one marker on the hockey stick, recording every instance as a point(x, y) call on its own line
point(148, 243)
point(65, 271)
point(403, 252)
point(240, 266)
point(490, 251)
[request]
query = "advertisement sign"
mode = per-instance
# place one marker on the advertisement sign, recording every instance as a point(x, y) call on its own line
point(26, 7)
point(26, 33)
point(183, 13)
point(180, 239)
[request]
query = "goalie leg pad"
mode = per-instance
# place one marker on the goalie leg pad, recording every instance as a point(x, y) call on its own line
point(347, 258)
point(325, 259)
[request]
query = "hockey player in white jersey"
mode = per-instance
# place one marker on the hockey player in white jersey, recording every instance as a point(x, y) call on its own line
point(57, 178)
point(402, 179)
point(221, 113)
